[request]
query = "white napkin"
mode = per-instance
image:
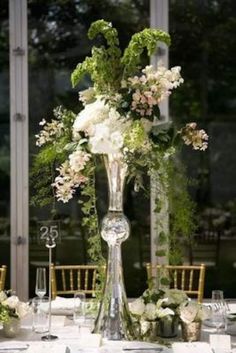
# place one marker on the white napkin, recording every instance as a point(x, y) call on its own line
point(42, 347)
point(13, 345)
point(191, 347)
point(60, 306)
point(232, 307)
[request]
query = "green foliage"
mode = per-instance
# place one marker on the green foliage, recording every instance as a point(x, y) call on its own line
point(182, 213)
point(104, 64)
point(91, 226)
point(147, 38)
point(173, 184)
point(4, 313)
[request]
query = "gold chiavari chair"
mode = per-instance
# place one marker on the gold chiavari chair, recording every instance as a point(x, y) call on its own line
point(189, 278)
point(3, 271)
point(68, 279)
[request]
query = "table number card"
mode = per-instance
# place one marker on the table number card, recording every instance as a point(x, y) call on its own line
point(220, 343)
point(49, 229)
point(191, 347)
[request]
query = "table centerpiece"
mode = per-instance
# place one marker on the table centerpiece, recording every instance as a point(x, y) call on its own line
point(12, 310)
point(156, 313)
point(120, 123)
point(192, 314)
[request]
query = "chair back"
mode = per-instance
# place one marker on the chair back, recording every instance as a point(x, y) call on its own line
point(68, 279)
point(189, 278)
point(3, 271)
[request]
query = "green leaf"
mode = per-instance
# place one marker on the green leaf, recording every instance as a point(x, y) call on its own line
point(160, 253)
point(164, 281)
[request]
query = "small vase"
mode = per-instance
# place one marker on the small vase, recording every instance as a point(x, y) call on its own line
point(11, 327)
point(114, 320)
point(168, 327)
point(191, 332)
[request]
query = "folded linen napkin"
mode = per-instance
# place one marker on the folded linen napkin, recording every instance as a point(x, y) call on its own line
point(60, 306)
point(232, 307)
point(13, 345)
point(191, 347)
point(42, 347)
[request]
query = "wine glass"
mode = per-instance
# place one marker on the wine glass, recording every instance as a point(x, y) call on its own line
point(79, 309)
point(40, 287)
point(218, 309)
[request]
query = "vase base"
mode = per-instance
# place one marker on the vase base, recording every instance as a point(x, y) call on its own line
point(49, 338)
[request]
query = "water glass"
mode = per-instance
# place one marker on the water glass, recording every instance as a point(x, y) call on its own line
point(40, 314)
point(79, 309)
point(218, 307)
point(40, 286)
point(217, 295)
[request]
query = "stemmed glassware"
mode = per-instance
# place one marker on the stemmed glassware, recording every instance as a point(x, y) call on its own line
point(218, 307)
point(79, 309)
point(40, 287)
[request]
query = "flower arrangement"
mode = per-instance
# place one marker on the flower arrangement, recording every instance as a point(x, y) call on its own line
point(156, 305)
point(194, 312)
point(11, 307)
point(119, 115)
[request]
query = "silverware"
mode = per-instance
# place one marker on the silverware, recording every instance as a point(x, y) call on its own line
point(13, 349)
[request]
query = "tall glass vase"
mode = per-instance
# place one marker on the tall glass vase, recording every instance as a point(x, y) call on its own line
point(114, 321)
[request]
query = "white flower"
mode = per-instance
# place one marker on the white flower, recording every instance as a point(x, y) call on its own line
point(189, 312)
point(107, 136)
point(117, 140)
point(12, 302)
point(87, 95)
point(175, 297)
point(165, 312)
point(3, 296)
point(137, 307)
point(93, 113)
point(78, 160)
point(22, 309)
point(150, 311)
point(204, 313)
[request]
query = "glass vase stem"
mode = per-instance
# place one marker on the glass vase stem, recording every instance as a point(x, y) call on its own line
point(114, 321)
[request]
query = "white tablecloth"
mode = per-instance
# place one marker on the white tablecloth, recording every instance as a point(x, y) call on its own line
point(68, 336)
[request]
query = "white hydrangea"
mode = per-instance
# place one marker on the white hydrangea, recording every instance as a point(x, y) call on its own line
point(137, 307)
point(150, 311)
point(92, 113)
point(107, 136)
point(12, 301)
point(175, 297)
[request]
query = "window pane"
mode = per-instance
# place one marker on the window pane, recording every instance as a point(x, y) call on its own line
point(57, 42)
point(4, 141)
point(204, 45)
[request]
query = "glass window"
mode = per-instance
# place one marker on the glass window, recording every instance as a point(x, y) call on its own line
point(4, 141)
point(204, 44)
point(57, 42)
